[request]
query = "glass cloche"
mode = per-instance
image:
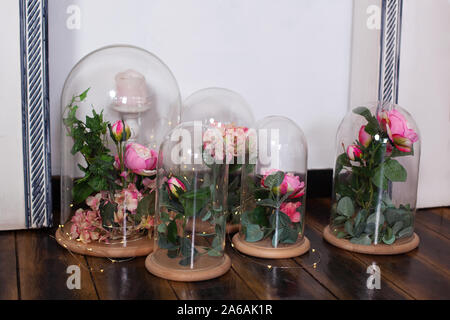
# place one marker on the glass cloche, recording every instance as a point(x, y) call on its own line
point(231, 114)
point(274, 192)
point(192, 193)
point(118, 102)
point(375, 179)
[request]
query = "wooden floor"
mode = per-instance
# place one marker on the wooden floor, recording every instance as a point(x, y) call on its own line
point(33, 266)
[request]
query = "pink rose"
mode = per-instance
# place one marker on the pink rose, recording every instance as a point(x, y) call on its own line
point(291, 184)
point(174, 185)
point(364, 137)
point(354, 152)
point(290, 209)
point(120, 131)
point(140, 160)
point(396, 126)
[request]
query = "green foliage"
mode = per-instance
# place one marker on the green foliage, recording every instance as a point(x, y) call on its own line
point(365, 181)
point(89, 140)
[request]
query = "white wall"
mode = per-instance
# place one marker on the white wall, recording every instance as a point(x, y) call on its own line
point(12, 201)
point(288, 57)
point(424, 89)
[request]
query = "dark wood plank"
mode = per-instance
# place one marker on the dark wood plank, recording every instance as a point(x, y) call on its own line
point(285, 279)
point(437, 219)
point(8, 268)
point(43, 263)
point(410, 272)
point(229, 286)
point(343, 274)
point(127, 280)
point(433, 248)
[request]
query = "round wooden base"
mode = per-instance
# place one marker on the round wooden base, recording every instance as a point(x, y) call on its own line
point(264, 249)
point(204, 226)
point(398, 247)
point(206, 267)
point(132, 248)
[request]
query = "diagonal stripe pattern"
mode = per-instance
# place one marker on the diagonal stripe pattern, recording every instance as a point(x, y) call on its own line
point(35, 113)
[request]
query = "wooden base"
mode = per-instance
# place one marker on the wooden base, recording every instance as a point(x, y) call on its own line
point(133, 248)
point(264, 249)
point(204, 226)
point(206, 267)
point(398, 247)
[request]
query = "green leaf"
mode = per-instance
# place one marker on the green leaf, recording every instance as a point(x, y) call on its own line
point(394, 171)
point(379, 178)
point(339, 220)
point(194, 201)
point(397, 227)
point(267, 203)
point(389, 236)
point(341, 234)
point(406, 232)
point(145, 207)
point(363, 239)
point(163, 243)
point(81, 191)
point(349, 227)
point(253, 233)
point(107, 210)
point(162, 228)
point(288, 235)
point(207, 216)
point(345, 207)
point(274, 179)
point(84, 94)
point(216, 249)
point(172, 232)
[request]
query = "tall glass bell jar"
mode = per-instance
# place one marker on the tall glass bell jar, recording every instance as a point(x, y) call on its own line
point(192, 187)
point(117, 104)
point(232, 115)
point(273, 196)
point(375, 180)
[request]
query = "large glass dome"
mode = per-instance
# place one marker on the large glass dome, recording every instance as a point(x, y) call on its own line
point(376, 176)
point(274, 192)
point(118, 102)
point(229, 112)
point(191, 198)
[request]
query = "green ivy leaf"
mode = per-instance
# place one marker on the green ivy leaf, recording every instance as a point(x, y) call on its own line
point(345, 207)
point(363, 239)
point(394, 171)
point(253, 233)
point(274, 179)
point(389, 236)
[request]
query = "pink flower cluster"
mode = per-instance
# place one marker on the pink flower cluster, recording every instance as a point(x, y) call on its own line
point(224, 142)
point(291, 184)
point(87, 224)
point(396, 127)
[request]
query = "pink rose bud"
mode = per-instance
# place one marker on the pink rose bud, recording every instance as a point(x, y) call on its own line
point(396, 126)
point(141, 160)
point(290, 209)
point(364, 137)
point(354, 152)
point(402, 143)
point(120, 131)
point(175, 185)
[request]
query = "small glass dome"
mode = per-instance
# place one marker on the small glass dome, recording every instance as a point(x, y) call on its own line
point(192, 193)
point(375, 176)
point(228, 111)
point(274, 192)
point(118, 102)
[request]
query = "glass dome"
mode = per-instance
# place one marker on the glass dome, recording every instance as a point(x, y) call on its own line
point(228, 111)
point(118, 103)
point(274, 192)
point(375, 176)
point(192, 179)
